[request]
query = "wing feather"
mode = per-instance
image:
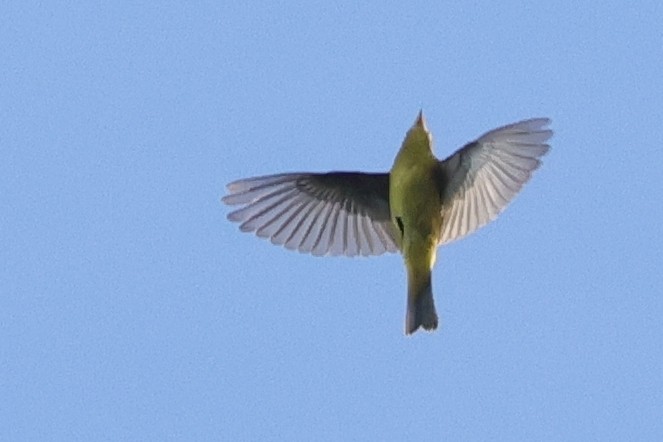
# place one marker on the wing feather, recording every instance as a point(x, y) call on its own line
point(480, 180)
point(335, 213)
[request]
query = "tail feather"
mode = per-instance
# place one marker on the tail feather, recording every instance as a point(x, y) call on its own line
point(420, 309)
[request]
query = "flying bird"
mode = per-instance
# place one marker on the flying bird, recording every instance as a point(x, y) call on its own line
point(420, 204)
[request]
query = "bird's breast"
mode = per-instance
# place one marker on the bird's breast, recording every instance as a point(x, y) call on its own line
point(414, 198)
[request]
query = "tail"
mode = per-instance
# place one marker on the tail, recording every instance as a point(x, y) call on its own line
point(420, 305)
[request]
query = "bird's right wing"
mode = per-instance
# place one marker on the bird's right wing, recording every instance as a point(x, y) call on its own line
point(479, 180)
point(336, 213)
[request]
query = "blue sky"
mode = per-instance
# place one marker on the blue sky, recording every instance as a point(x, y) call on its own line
point(131, 309)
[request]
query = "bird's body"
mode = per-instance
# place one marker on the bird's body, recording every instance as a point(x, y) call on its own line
point(417, 221)
point(420, 204)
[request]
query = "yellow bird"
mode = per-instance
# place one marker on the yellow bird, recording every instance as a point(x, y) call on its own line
point(420, 204)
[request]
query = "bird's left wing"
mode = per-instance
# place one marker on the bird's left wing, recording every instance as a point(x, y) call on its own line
point(335, 213)
point(479, 180)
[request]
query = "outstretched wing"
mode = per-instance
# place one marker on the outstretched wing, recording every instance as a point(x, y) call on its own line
point(336, 213)
point(480, 179)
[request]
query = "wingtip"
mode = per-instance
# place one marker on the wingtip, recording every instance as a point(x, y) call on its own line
point(542, 122)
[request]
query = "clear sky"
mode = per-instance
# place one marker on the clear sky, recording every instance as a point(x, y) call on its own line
point(131, 309)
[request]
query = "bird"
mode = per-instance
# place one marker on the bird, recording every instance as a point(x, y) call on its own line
point(420, 204)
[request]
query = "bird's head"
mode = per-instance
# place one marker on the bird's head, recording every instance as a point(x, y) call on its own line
point(418, 136)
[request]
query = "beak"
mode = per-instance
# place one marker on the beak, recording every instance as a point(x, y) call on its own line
point(421, 121)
